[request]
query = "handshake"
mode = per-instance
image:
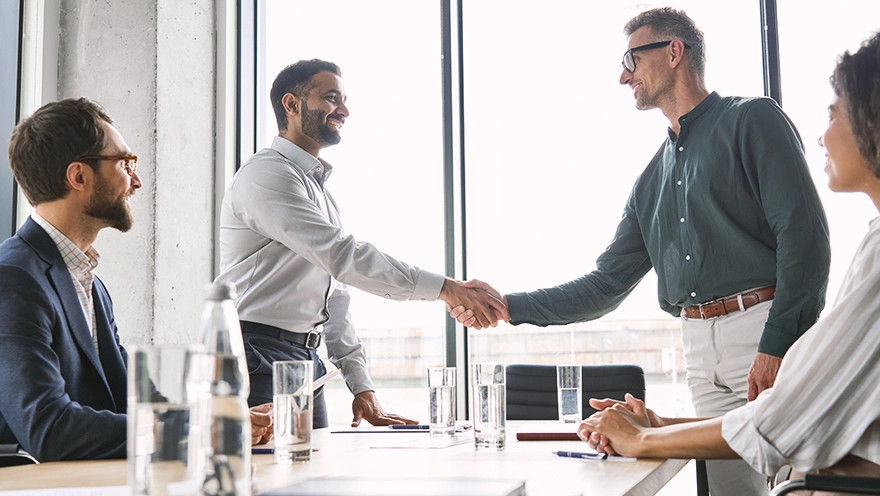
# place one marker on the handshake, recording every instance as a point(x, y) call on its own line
point(474, 303)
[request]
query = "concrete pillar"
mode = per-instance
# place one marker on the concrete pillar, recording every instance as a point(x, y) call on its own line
point(151, 64)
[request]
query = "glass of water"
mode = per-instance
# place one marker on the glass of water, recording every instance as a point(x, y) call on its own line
point(569, 393)
point(292, 383)
point(162, 429)
point(441, 387)
point(489, 405)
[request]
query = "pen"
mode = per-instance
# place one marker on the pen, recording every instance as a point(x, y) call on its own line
point(418, 427)
point(587, 456)
point(262, 451)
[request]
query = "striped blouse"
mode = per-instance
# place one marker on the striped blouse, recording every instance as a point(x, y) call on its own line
point(826, 401)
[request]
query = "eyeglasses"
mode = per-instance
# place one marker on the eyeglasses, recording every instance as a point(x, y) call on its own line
point(130, 163)
point(629, 62)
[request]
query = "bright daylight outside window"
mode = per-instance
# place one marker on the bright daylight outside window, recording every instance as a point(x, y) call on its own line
point(554, 145)
point(809, 42)
point(387, 176)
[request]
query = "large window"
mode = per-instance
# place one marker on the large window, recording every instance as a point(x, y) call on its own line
point(554, 145)
point(9, 77)
point(388, 169)
point(810, 41)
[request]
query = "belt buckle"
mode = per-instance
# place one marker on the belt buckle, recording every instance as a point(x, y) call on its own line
point(701, 305)
point(313, 337)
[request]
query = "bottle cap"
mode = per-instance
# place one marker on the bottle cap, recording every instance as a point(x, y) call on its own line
point(220, 291)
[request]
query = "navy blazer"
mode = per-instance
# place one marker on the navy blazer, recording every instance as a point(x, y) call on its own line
point(58, 399)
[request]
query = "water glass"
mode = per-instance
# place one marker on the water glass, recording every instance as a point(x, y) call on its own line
point(292, 398)
point(490, 406)
point(441, 387)
point(569, 393)
point(162, 432)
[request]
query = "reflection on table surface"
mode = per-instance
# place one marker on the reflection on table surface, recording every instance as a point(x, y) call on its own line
point(370, 455)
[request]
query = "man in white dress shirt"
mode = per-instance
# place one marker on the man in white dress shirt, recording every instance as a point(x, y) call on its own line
point(282, 244)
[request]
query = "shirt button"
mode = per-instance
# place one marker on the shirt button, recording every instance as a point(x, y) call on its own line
point(682, 220)
point(681, 148)
point(387, 295)
point(693, 295)
point(679, 182)
point(687, 257)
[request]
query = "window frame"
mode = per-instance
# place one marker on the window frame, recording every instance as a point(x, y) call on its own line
point(252, 62)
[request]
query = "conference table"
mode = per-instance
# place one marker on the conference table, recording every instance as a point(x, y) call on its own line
point(376, 456)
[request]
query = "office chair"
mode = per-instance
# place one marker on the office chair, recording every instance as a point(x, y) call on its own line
point(531, 389)
point(12, 455)
point(836, 483)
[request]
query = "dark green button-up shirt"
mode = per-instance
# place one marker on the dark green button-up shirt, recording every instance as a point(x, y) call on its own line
point(726, 206)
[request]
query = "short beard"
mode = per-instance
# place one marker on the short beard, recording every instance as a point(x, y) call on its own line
point(657, 100)
point(116, 213)
point(314, 125)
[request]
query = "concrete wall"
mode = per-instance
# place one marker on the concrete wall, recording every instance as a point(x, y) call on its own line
point(152, 65)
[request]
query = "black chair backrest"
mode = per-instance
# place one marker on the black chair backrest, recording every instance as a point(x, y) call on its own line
point(531, 389)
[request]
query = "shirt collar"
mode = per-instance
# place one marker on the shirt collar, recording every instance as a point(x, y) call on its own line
point(74, 258)
point(694, 114)
point(318, 168)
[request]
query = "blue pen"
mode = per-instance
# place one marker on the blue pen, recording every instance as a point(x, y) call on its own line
point(262, 451)
point(418, 427)
point(586, 456)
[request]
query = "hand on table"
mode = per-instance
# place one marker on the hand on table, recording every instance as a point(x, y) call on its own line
point(473, 315)
point(262, 430)
point(365, 406)
point(616, 427)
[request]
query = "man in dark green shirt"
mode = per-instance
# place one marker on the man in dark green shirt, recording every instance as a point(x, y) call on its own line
point(727, 214)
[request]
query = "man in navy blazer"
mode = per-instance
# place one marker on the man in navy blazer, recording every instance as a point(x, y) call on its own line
point(62, 367)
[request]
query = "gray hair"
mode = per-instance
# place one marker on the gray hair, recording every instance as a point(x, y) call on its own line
point(668, 23)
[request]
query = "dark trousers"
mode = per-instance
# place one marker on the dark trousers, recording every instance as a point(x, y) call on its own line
point(261, 351)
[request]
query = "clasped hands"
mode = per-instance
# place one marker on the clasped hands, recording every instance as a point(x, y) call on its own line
point(618, 426)
point(474, 303)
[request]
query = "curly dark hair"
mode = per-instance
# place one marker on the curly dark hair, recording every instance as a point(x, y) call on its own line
point(856, 80)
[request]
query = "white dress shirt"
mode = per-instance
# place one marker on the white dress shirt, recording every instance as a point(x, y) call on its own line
point(283, 246)
point(80, 265)
point(826, 402)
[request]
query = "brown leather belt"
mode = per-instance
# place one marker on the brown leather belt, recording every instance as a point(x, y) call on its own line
point(717, 308)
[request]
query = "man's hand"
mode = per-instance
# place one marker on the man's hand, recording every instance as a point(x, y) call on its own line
point(762, 375)
point(365, 406)
point(261, 424)
point(471, 316)
point(617, 426)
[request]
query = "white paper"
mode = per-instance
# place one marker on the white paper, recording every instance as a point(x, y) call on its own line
point(72, 491)
point(430, 442)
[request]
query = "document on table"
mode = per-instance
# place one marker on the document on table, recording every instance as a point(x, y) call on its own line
point(357, 486)
point(399, 429)
point(430, 442)
point(72, 491)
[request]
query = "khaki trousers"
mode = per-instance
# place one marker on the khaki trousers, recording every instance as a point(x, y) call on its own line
point(718, 354)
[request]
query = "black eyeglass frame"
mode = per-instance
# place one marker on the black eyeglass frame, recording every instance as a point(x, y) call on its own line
point(130, 163)
point(649, 46)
